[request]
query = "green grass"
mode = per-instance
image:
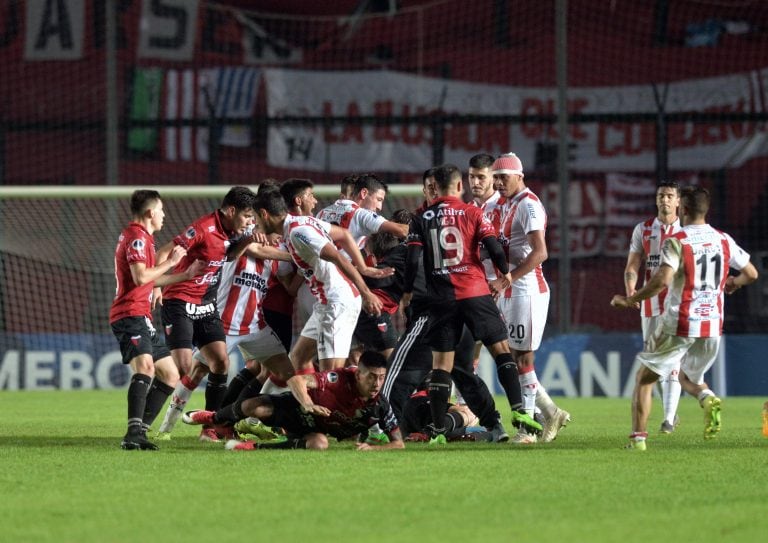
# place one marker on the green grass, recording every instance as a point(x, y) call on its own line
point(64, 478)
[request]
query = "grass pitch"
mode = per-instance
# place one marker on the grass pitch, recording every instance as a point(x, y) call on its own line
point(64, 478)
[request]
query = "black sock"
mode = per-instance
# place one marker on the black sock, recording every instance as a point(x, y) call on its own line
point(509, 379)
point(236, 386)
point(137, 399)
point(215, 391)
point(291, 443)
point(158, 393)
point(439, 393)
point(229, 414)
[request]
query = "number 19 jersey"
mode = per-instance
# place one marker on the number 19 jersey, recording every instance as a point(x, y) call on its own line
point(450, 232)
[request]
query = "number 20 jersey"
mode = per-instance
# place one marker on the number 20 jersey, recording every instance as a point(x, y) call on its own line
point(450, 232)
point(701, 257)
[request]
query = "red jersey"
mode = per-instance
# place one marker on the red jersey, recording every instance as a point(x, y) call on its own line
point(350, 414)
point(450, 232)
point(207, 240)
point(135, 244)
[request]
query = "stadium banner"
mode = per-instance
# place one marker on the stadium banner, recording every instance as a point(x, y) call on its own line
point(573, 365)
point(593, 146)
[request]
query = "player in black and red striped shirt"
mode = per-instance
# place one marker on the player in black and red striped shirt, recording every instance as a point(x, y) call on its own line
point(449, 232)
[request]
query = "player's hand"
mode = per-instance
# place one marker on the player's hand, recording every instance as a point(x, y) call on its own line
point(364, 447)
point(177, 253)
point(731, 286)
point(260, 237)
point(314, 409)
point(405, 301)
point(372, 304)
point(196, 268)
point(376, 273)
point(622, 302)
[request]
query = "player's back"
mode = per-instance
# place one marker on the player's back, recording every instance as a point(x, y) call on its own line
point(450, 232)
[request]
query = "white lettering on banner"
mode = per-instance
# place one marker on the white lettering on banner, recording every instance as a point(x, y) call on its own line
point(592, 372)
point(54, 29)
point(76, 367)
point(594, 146)
point(38, 370)
point(557, 375)
point(39, 373)
point(167, 29)
point(9, 371)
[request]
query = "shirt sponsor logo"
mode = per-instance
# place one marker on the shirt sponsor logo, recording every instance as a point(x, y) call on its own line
point(198, 311)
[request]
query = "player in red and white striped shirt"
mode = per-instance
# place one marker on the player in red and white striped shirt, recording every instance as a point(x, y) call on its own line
point(645, 249)
point(694, 267)
point(525, 303)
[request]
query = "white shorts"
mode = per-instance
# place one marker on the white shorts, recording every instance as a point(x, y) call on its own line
point(693, 355)
point(525, 317)
point(332, 326)
point(649, 325)
point(258, 346)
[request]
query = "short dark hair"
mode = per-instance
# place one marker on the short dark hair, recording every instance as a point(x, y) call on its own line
point(372, 359)
point(668, 185)
point(272, 201)
point(380, 243)
point(293, 187)
point(402, 216)
point(482, 160)
point(445, 175)
point(429, 172)
point(370, 182)
point(141, 201)
point(270, 183)
point(696, 200)
point(348, 184)
point(240, 198)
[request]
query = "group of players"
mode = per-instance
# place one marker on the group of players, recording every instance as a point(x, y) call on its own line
point(465, 274)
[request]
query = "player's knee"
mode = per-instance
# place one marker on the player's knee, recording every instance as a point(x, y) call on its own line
point(317, 442)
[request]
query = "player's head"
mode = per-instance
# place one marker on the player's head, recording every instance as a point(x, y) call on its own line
point(369, 192)
point(428, 185)
point(270, 211)
point(667, 198)
point(480, 177)
point(448, 180)
point(508, 174)
point(270, 183)
point(237, 209)
point(147, 207)
point(380, 243)
point(694, 203)
point(348, 186)
point(299, 196)
point(371, 370)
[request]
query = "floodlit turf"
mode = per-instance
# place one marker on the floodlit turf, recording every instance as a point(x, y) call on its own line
point(65, 479)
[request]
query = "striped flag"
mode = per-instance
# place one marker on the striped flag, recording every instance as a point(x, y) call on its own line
point(231, 91)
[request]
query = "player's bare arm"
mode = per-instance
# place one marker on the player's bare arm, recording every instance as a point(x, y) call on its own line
point(371, 303)
point(300, 385)
point(266, 252)
point(631, 271)
point(347, 242)
point(395, 442)
point(748, 274)
point(660, 280)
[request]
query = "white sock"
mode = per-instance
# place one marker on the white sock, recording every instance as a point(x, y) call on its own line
point(703, 395)
point(179, 399)
point(529, 383)
point(271, 388)
point(670, 396)
point(545, 403)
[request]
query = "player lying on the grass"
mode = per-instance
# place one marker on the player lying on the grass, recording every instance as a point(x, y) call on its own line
point(460, 422)
point(342, 403)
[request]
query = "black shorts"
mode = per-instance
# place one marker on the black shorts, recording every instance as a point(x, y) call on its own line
point(287, 414)
point(282, 325)
point(190, 325)
point(376, 333)
point(480, 314)
point(137, 336)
